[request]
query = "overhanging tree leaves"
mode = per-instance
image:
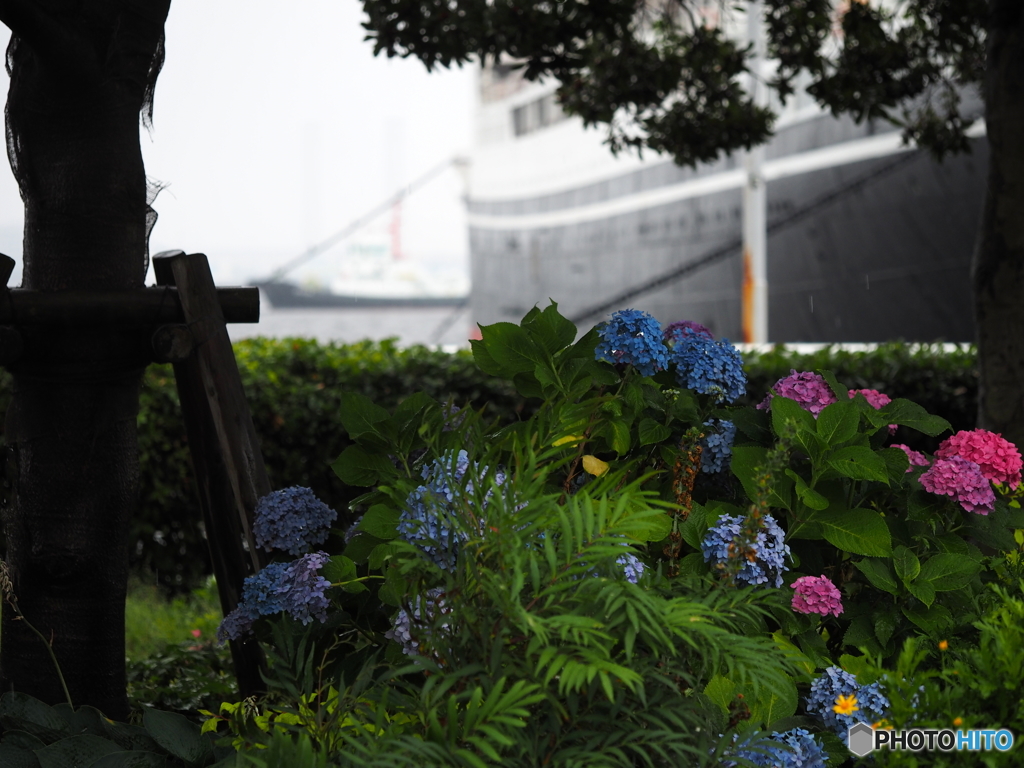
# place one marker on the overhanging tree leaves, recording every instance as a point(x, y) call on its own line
point(662, 79)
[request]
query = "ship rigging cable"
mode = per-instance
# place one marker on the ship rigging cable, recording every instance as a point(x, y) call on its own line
point(733, 247)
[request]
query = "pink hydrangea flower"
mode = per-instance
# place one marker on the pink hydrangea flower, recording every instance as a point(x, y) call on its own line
point(816, 594)
point(809, 390)
point(917, 459)
point(998, 459)
point(962, 479)
point(876, 400)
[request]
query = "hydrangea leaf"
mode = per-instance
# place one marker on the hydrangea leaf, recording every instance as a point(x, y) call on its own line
point(528, 385)
point(361, 416)
point(886, 620)
point(357, 466)
point(650, 432)
point(805, 493)
point(360, 546)
point(841, 392)
point(877, 572)
point(549, 329)
point(908, 414)
point(896, 463)
point(858, 531)
point(859, 463)
point(906, 564)
point(594, 465)
point(721, 690)
point(932, 620)
point(775, 702)
point(946, 571)
point(923, 591)
point(616, 432)
point(838, 422)
point(511, 347)
point(785, 411)
point(338, 569)
point(484, 361)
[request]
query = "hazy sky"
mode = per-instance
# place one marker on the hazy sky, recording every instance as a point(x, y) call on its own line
point(274, 128)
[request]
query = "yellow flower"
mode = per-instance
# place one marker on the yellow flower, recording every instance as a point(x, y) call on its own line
point(846, 705)
point(958, 721)
point(883, 724)
point(943, 645)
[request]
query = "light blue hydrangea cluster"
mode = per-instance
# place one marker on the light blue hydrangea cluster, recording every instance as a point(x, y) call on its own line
point(633, 337)
point(425, 521)
point(717, 445)
point(631, 567)
point(835, 682)
point(292, 520)
point(796, 748)
point(295, 588)
point(770, 550)
point(405, 627)
point(707, 366)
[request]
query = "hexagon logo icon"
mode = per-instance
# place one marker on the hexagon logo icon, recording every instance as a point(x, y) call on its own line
point(861, 739)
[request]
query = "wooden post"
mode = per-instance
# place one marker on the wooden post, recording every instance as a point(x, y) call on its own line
point(226, 457)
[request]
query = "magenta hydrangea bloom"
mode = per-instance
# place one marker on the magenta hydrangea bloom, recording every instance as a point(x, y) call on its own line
point(917, 459)
point(809, 390)
point(876, 400)
point(998, 459)
point(693, 325)
point(962, 479)
point(816, 594)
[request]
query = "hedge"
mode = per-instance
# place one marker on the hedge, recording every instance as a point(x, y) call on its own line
point(293, 388)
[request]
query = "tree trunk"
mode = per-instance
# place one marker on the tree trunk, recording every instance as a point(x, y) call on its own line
point(80, 75)
point(999, 258)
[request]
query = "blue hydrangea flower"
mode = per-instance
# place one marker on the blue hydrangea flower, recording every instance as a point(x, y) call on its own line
point(770, 550)
point(835, 682)
point(707, 366)
point(295, 588)
point(795, 748)
point(717, 445)
point(425, 521)
point(292, 520)
point(633, 337)
point(405, 627)
point(631, 567)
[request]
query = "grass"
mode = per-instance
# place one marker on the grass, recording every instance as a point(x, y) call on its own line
point(152, 622)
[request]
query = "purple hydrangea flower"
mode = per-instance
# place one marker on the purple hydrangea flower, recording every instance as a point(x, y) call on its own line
point(406, 627)
point(795, 748)
point(810, 391)
point(631, 567)
point(694, 326)
point(295, 588)
point(770, 549)
point(717, 445)
point(835, 682)
point(963, 480)
point(425, 521)
point(633, 337)
point(707, 366)
point(292, 520)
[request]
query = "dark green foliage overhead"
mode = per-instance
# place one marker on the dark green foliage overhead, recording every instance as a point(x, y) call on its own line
point(661, 78)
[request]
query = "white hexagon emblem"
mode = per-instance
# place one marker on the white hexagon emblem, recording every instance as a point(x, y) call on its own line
point(861, 739)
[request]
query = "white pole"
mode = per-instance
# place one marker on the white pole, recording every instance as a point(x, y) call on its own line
point(755, 199)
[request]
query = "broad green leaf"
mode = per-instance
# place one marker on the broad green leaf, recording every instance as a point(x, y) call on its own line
point(483, 358)
point(410, 411)
point(16, 757)
point(338, 568)
point(805, 493)
point(859, 463)
point(877, 572)
point(775, 703)
point(838, 422)
point(855, 665)
point(651, 527)
point(178, 735)
point(19, 711)
point(550, 331)
point(360, 546)
point(896, 463)
point(886, 620)
point(134, 759)
point(511, 347)
point(785, 411)
point(932, 620)
point(861, 633)
point(695, 526)
point(858, 531)
point(746, 461)
point(78, 751)
point(923, 591)
point(357, 466)
point(692, 565)
point(752, 423)
point(721, 690)
point(908, 414)
point(380, 521)
point(794, 654)
point(906, 563)
point(839, 390)
point(360, 415)
point(616, 432)
point(528, 385)
point(653, 432)
point(946, 572)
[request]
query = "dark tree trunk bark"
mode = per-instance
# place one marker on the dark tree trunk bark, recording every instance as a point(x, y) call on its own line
point(80, 75)
point(999, 258)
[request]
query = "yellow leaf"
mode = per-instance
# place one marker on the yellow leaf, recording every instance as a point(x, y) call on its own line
point(567, 439)
point(594, 465)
